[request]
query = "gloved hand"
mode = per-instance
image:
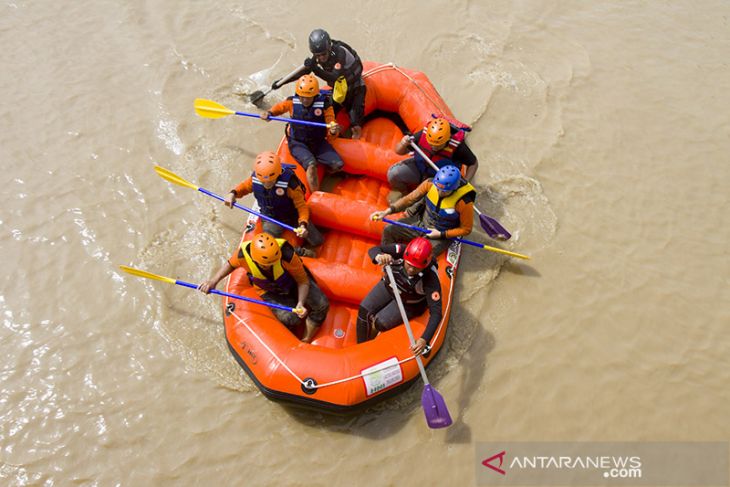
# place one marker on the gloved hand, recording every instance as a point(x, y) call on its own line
point(309, 63)
point(275, 85)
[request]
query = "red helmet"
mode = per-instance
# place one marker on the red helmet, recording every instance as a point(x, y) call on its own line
point(418, 252)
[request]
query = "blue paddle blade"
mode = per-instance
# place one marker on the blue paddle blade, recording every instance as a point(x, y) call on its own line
point(434, 407)
point(493, 228)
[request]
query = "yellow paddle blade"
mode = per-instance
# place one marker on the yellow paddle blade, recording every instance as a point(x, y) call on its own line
point(145, 274)
point(173, 178)
point(210, 109)
point(506, 252)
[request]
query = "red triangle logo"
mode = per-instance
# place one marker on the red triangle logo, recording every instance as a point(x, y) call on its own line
point(494, 457)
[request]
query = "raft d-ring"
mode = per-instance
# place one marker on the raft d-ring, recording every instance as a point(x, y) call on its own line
point(309, 386)
point(230, 308)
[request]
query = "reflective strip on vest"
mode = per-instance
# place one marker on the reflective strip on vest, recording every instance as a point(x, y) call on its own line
point(307, 133)
point(275, 202)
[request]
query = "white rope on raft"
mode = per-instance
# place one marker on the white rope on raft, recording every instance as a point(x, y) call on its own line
point(307, 384)
point(393, 66)
point(310, 385)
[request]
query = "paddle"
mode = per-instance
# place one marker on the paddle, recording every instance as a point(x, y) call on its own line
point(259, 95)
point(434, 407)
point(490, 225)
point(460, 239)
point(169, 280)
point(210, 109)
point(175, 179)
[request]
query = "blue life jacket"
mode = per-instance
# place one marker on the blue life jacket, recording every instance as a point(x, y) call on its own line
point(315, 113)
point(275, 202)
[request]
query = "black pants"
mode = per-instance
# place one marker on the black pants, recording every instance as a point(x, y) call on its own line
point(380, 308)
point(317, 304)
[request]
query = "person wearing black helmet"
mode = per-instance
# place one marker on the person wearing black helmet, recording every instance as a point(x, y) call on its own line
point(340, 66)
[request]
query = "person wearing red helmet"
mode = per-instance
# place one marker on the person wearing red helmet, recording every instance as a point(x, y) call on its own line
point(310, 145)
point(418, 282)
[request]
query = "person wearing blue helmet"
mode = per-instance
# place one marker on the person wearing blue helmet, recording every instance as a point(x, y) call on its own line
point(447, 212)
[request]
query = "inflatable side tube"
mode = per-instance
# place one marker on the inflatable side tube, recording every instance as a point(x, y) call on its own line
point(343, 282)
point(340, 213)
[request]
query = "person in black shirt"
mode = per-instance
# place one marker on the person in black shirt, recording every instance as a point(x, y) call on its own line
point(418, 282)
point(340, 66)
point(443, 143)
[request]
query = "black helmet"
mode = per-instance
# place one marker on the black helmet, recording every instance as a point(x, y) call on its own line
point(319, 41)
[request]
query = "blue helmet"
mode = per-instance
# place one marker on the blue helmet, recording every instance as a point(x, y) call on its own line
point(447, 178)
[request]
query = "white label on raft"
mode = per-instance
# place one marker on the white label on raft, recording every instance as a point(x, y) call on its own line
point(382, 375)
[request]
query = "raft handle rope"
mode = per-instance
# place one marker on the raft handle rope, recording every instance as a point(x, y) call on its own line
point(392, 65)
point(307, 383)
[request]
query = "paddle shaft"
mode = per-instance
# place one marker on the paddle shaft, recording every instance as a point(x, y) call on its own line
point(260, 215)
point(235, 296)
point(402, 309)
point(460, 239)
point(170, 280)
point(279, 119)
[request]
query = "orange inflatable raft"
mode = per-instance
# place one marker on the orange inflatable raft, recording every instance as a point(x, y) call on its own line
point(334, 373)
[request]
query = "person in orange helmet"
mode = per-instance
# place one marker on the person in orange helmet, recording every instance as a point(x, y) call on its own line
point(443, 142)
point(279, 276)
point(280, 195)
point(340, 66)
point(418, 282)
point(310, 145)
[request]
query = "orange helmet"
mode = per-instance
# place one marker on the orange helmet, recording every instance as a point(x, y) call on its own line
point(267, 166)
point(265, 249)
point(438, 131)
point(307, 85)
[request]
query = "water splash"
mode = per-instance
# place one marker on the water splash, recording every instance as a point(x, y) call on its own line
point(167, 132)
